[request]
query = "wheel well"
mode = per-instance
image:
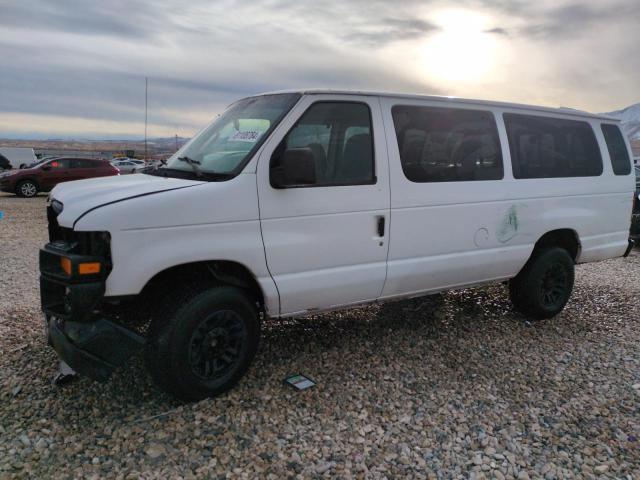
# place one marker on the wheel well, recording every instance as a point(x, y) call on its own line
point(564, 238)
point(211, 272)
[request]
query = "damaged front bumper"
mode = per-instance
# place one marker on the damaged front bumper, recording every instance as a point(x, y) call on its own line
point(83, 337)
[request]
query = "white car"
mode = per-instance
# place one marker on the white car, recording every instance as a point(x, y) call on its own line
point(305, 201)
point(127, 165)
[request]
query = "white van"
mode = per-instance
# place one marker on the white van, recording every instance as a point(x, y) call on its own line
point(299, 202)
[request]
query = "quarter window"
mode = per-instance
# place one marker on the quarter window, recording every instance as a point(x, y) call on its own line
point(617, 148)
point(543, 147)
point(447, 144)
point(339, 136)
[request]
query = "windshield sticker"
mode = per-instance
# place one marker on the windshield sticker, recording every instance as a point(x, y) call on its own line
point(245, 136)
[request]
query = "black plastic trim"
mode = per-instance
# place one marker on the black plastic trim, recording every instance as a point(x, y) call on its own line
point(629, 248)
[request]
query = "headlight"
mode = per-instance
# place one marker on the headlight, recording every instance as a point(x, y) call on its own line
point(56, 206)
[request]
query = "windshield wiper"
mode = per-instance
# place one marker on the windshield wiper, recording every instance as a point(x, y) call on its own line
point(194, 165)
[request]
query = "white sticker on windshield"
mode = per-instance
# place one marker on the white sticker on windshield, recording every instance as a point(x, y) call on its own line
point(245, 136)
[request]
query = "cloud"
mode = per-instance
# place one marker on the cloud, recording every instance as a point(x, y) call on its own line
point(498, 31)
point(74, 59)
point(88, 60)
point(391, 30)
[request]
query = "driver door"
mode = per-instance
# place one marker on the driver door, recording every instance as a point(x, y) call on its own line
point(326, 243)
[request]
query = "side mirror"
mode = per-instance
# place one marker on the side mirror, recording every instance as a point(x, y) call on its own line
point(295, 168)
point(46, 167)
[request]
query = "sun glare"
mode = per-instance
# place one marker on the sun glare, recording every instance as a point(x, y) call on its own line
point(462, 51)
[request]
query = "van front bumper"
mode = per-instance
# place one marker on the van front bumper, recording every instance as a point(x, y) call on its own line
point(93, 349)
point(77, 329)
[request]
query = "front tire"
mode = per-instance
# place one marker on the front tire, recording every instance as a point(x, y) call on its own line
point(201, 344)
point(26, 189)
point(543, 287)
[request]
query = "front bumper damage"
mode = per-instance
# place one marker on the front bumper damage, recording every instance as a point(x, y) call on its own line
point(77, 329)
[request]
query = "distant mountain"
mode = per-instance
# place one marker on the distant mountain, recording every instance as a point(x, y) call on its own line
point(630, 118)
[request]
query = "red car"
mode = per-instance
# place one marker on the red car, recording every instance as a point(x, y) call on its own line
point(43, 176)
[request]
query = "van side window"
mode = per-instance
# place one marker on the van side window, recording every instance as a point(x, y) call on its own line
point(447, 144)
point(618, 152)
point(339, 136)
point(543, 147)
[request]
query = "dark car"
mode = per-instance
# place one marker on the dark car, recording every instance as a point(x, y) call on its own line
point(43, 176)
point(635, 217)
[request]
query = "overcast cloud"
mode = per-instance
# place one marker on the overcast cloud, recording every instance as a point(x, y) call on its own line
point(76, 68)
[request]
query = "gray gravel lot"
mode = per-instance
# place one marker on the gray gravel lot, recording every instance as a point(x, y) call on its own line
point(453, 386)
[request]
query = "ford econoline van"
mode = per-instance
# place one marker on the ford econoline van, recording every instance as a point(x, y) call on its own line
point(305, 201)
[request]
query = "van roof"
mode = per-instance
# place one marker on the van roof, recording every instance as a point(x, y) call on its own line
point(447, 99)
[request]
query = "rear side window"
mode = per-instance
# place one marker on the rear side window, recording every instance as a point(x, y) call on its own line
point(82, 163)
point(447, 144)
point(543, 147)
point(617, 147)
point(339, 135)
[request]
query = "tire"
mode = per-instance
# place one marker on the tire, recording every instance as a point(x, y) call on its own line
point(201, 343)
point(27, 189)
point(543, 287)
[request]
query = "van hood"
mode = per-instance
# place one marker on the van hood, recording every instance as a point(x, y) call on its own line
point(80, 196)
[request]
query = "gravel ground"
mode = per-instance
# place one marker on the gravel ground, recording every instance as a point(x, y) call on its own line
point(453, 386)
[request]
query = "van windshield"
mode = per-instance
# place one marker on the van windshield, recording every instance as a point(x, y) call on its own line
point(231, 139)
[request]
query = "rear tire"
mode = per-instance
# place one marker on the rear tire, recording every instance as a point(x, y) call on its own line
point(203, 342)
point(27, 189)
point(543, 287)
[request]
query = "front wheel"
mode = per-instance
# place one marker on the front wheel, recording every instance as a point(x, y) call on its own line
point(27, 188)
point(201, 344)
point(543, 287)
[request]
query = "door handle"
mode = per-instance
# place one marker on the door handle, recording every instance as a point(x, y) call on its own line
point(380, 226)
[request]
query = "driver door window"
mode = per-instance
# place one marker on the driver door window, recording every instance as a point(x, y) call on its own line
point(339, 137)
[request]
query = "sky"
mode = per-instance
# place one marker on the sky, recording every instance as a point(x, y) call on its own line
point(76, 68)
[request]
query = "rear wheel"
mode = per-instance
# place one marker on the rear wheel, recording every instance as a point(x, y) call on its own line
point(202, 343)
point(27, 188)
point(543, 287)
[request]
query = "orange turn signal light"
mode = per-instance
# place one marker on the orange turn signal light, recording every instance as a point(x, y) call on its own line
point(89, 268)
point(65, 263)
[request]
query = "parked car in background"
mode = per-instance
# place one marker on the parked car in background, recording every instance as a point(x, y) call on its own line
point(127, 165)
point(635, 218)
point(43, 176)
point(18, 157)
point(4, 163)
point(149, 166)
